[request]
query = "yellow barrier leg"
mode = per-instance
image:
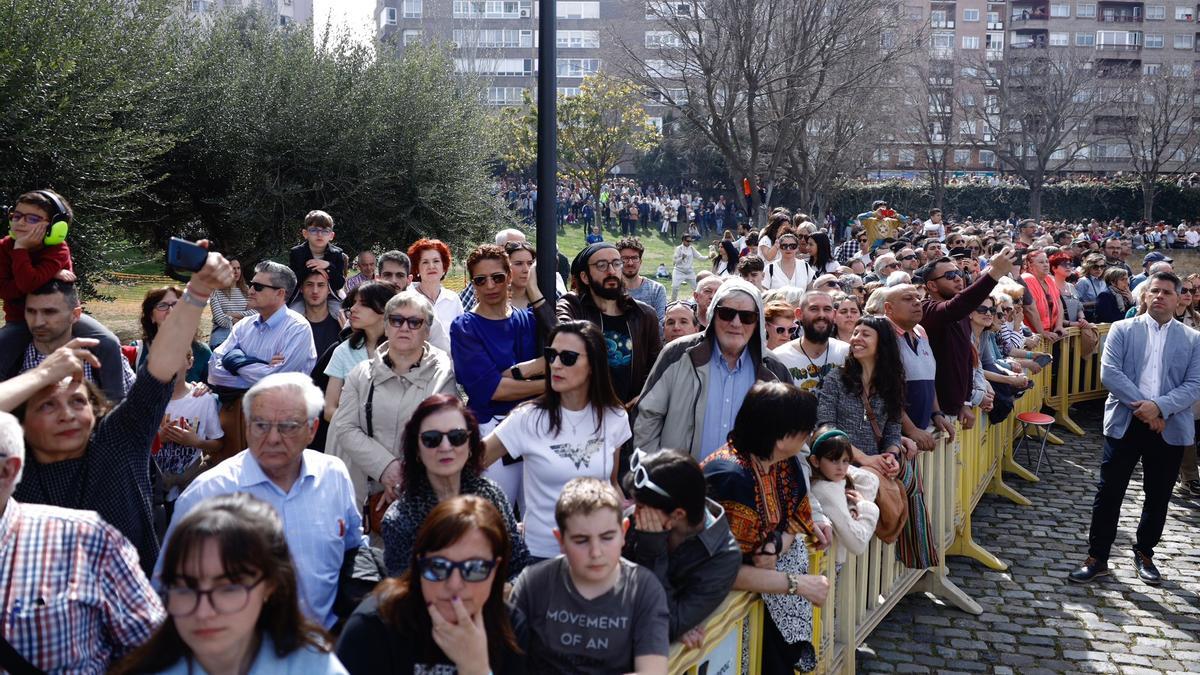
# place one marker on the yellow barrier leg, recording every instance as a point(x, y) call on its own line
point(997, 486)
point(937, 583)
point(1010, 465)
point(1063, 419)
point(965, 546)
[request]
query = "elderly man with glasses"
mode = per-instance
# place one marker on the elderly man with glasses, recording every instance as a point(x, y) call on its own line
point(310, 491)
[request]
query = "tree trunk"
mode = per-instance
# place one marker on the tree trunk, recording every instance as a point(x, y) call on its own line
point(1035, 201)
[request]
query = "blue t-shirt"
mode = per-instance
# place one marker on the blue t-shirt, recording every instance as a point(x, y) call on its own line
point(482, 349)
point(344, 359)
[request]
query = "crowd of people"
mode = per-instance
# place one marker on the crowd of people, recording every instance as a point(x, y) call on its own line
point(363, 471)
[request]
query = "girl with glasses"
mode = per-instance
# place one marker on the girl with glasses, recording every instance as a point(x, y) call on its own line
point(156, 307)
point(575, 428)
point(379, 397)
point(231, 599)
point(443, 454)
point(446, 613)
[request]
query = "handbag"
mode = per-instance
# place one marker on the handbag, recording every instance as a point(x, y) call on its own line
point(892, 499)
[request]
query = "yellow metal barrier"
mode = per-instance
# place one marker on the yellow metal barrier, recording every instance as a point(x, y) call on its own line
point(864, 590)
point(1078, 378)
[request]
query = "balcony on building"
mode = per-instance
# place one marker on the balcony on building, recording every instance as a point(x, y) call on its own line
point(1023, 11)
point(1118, 45)
point(1025, 37)
point(1110, 11)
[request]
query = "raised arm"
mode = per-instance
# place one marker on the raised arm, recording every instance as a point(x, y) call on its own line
point(175, 335)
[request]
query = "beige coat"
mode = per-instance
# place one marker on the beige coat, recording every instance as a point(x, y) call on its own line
point(395, 399)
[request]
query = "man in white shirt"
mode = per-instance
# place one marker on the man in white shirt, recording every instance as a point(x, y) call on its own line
point(684, 261)
point(810, 357)
point(934, 227)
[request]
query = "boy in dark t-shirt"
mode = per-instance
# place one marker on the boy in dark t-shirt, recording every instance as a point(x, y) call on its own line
point(589, 610)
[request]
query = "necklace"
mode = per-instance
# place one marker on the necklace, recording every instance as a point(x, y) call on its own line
point(811, 362)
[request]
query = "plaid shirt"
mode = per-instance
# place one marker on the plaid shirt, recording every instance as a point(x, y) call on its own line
point(33, 358)
point(847, 251)
point(74, 598)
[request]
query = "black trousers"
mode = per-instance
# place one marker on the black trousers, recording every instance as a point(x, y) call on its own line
point(1160, 468)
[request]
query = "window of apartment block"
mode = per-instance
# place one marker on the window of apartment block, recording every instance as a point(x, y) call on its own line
point(970, 42)
point(1156, 12)
point(1185, 13)
point(505, 95)
point(970, 15)
point(496, 67)
point(665, 8)
point(410, 36)
point(987, 158)
point(1060, 11)
point(1085, 39)
point(412, 9)
point(389, 16)
point(1154, 41)
point(993, 18)
point(577, 67)
point(1183, 41)
point(577, 10)
point(1085, 10)
point(942, 41)
point(662, 39)
point(1060, 39)
point(569, 92)
point(1181, 69)
point(577, 39)
point(1151, 68)
point(906, 157)
point(962, 157)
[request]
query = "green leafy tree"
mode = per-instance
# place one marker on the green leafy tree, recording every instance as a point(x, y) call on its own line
point(599, 128)
point(85, 110)
point(275, 126)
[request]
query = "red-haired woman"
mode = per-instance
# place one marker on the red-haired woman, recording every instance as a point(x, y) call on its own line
point(431, 262)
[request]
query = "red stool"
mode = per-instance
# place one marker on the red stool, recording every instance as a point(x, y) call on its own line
point(1043, 422)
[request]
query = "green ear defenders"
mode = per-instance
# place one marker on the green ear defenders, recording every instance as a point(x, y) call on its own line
point(60, 220)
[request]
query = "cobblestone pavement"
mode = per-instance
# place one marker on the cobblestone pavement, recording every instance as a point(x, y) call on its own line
point(1034, 620)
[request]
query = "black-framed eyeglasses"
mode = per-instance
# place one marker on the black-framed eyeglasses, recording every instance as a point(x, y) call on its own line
point(951, 275)
point(569, 358)
point(259, 286)
point(497, 278)
point(400, 321)
point(224, 599)
point(33, 219)
point(164, 305)
point(317, 231)
point(641, 475)
point(437, 568)
point(748, 317)
point(603, 266)
point(630, 259)
point(433, 438)
point(261, 428)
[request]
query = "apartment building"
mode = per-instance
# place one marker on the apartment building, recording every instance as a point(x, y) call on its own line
point(288, 11)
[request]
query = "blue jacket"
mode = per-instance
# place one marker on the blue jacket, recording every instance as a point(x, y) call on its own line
point(1121, 368)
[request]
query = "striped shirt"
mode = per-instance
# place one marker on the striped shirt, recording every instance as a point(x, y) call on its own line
point(223, 303)
point(74, 600)
point(320, 519)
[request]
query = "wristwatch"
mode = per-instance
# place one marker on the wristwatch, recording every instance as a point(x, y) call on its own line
point(516, 373)
point(193, 299)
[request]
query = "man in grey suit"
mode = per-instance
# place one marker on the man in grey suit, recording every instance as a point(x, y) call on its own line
point(1151, 368)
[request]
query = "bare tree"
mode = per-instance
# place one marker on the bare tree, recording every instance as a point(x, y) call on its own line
point(1156, 124)
point(934, 105)
point(1041, 119)
point(749, 75)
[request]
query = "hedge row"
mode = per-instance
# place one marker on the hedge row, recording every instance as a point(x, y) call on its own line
point(1069, 201)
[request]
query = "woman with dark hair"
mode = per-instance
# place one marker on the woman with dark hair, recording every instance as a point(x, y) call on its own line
point(575, 428)
point(231, 599)
point(446, 614)
point(1116, 298)
point(495, 349)
point(725, 264)
point(156, 307)
point(756, 479)
point(365, 305)
point(820, 252)
point(865, 399)
point(442, 456)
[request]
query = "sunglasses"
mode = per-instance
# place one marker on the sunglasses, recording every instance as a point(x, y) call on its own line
point(433, 438)
point(641, 475)
point(951, 275)
point(258, 287)
point(498, 278)
point(569, 358)
point(984, 310)
point(399, 321)
point(438, 568)
point(782, 330)
point(789, 247)
point(908, 257)
point(746, 316)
